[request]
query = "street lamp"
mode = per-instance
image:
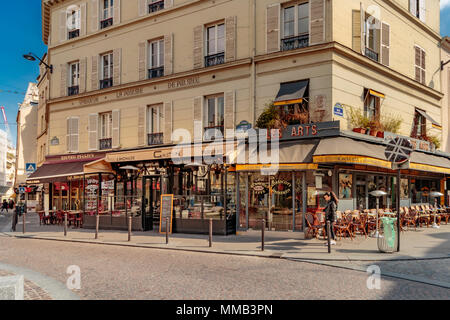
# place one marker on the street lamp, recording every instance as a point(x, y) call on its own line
point(435, 195)
point(32, 57)
point(443, 64)
point(377, 194)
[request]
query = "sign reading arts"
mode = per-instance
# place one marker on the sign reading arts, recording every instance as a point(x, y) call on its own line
point(312, 130)
point(166, 212)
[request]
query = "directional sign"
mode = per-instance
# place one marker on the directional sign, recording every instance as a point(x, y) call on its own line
point(398, 150)
point(30, 168)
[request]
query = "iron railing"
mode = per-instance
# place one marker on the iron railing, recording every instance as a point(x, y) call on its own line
point(74, 34)
point(156, 72)
point(106, 83)
point(215, 59)
point(105, 144)
point(371, 54)
point(106, 23)
point(293, 43)
point(73, 90)
point(155, 139)
point(156, 6)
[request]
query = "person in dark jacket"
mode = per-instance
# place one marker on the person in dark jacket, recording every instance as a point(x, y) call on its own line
point(11, 204)
point(330, 213)
point(4, 206)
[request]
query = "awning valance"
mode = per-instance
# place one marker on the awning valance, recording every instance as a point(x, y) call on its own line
point(291, 92)
point(429, 118)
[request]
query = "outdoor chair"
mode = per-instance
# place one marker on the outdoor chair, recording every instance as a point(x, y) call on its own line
point(79, 220)
point(312, 228)
point(344, 226)
point(43, 219)
point(59, 217)
point(359, 224)
point(432, 211)
point(445, 215)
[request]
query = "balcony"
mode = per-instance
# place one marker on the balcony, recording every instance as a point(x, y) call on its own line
point(105, 144)
point(210, 132)
point(106, 23)
point(215, 59)
point(156, 72)
point(74, 34)
point(106, 83)
point(156, 6)
point(293, 43)
point(371, 54)
point(155, 139)
point(73, 90)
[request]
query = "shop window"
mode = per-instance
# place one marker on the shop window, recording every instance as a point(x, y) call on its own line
point(420, 126)
point(295, 25)
point(215, 45)
point(372, 105)
point(214, 117)
point(155, 135)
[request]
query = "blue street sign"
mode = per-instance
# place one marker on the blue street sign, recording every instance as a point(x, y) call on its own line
point(21, 189)
point(338, 110)
point(30, 168)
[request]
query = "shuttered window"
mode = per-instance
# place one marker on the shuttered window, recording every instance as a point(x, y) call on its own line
point(419, 64)
point(295, 27)
point(156, 59)
point(72, 134)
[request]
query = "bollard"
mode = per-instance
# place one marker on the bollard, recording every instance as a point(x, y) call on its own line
point(130, 221)
point(167, 230)
point(210, 232)
point(65, 224)
point(263, 228)
point(97, 223)
point(23, 221)
point(329, 236)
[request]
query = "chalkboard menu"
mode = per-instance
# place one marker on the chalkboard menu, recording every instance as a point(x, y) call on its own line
point(166, 212)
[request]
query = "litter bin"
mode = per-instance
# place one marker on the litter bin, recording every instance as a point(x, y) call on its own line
point(388, 240)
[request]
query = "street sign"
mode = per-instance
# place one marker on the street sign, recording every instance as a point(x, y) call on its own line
point(166, 212)
point(398, 150)
point(338, 110)
point(22, 190)
point(30, 168)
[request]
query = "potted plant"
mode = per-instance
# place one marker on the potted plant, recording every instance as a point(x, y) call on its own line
point(358, 121)
point(389, 123)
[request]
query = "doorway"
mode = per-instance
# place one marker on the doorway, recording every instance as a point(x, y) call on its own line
point(151, 202)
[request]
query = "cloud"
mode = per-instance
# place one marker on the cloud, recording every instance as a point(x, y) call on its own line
point(445, 4)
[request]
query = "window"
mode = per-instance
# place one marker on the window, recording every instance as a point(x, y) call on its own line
point(156, 59)
point(215, 45)
point(107, 13)
point(214, 114)
point(418, 9)
point(420, 125)
point(372, 37)
point(106, 71)
point(105, 133)
point(295, 27)
point(154, 125)
point(155, 5)
point(419, 64)
point(73, 23)
point(371, 105)
point(74, 71)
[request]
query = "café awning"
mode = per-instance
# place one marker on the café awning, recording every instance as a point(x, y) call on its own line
point(434, 123)
point(291, 92)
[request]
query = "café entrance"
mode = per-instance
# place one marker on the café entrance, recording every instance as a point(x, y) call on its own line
point(151, 202)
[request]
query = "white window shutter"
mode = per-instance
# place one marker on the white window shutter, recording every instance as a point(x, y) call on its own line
point(142, 60)
point(356, 30)
point(385, 43)
point(317, 21)
point(64, 78)
point(93, 131)
point(115, 129)
point(422, 11)
point(142, 7)
point(74, 135)
point(198, 47)
point(142, 132)
point(168, 54)
point(168, 122)
point(117, 69)
point(168, 4)
point(363, 32)
point(230, 106)
point(230, 38)
point(95, 15)
point(412, 7)
point(273, 21)
point(116, 19)
point(83, 70)
point(69, 131)
point(82, 20)
point(62, 25)
point(95, 84)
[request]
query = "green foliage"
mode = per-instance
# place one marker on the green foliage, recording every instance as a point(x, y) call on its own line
point(269, 118)
point(387, 122)
point(434, 140)
point(391, 123)
point(358, 119)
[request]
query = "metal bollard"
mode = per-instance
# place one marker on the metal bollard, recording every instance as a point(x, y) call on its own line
point(263, 228)
point(329, 236)
point(65, 224)
point(97, 223)
point(23, 221)
point(210, 232)
point(130, 221)
point(167, 230)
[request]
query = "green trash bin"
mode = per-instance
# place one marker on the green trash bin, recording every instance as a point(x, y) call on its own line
point(388, 240)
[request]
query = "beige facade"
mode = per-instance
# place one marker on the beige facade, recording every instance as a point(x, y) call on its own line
point(402, 63)
point(445, 74)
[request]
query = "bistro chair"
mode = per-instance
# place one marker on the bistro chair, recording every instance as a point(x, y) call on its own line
point(433, 212)
point(445, 215)
point(344, 226)
point(79, 220)
point(312, 228)
point(43, 219)
point(59, 218)
point(359, 224)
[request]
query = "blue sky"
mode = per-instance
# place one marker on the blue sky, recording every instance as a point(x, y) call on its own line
point(21, 33)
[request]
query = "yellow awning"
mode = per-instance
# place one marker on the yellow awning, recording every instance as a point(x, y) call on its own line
point(353, 160)
point(376, 94)
point(286, 102)
point(281, 166)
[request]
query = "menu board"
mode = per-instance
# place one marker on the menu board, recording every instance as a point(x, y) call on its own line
point(166, 212)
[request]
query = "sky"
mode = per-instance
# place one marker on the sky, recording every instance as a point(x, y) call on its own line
point(22, 33)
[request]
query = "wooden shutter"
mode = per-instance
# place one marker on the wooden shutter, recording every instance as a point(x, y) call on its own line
point(115, 129)
point(83, 18)
point(62, 25)
point(142, 60)
point(93, 131)
point(95, 15)
point(117, 69)
point(74, 134)
point(142, 7)
point(230, 102)
point(422, 11)
point(385, 43)
point(63, 83)
point(168, 122)
point(317, 22)
point(356, 30)
point(230, 36)
point(142, 133)
point(422, 63)
point(116, 6)
point(82, 80)
point(198, 47)
point(273, 13)
point(69, 131)
point(417, 63)
point(94, 73)
point(168, 54)
point(198, 117)
point(412, 7)
point(363, 33)
point(168, 4)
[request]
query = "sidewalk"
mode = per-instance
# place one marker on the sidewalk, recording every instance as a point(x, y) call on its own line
point(423, 244)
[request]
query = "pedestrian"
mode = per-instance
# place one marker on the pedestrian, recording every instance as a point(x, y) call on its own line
point(11, 204)
point(330, 213)
point(4, 206)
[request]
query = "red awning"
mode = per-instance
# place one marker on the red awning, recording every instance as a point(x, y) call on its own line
point(58, 170)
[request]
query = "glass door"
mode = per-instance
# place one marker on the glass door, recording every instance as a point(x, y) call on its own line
point(151, 202)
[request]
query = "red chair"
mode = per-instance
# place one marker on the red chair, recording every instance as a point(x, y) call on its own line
point(79, 220)
point(43, 219)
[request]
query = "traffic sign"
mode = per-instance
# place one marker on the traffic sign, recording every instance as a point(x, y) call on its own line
point(30, 168)
point(338, 110)
point(22, 190)
point(398, 150)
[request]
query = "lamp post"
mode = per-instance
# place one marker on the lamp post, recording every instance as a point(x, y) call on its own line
point(32, 57)
point(377, 194)
point(435, 195)
point(443, 64)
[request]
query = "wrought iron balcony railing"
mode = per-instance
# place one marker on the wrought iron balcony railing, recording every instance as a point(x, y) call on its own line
point(211, 131)
point(74, 34)
point(105, 144)
point(215, 59)
point(156, 72)
point(371, 54)
point(155, 139)
point(293, 43)
point(106, 83)
point(106, 23)
point(73, 90)
point(156, 6)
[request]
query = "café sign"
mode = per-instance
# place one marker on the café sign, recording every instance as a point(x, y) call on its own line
point(308, 131)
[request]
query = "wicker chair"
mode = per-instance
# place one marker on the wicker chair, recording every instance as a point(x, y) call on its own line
point(344, 226)
point(359, 223)
point(312, 228)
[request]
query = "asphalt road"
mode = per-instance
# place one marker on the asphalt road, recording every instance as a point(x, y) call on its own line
point(110, 272)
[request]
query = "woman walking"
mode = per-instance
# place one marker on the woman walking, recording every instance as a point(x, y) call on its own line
point(330, 213)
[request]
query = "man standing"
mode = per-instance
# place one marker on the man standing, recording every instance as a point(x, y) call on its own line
point(4, 206)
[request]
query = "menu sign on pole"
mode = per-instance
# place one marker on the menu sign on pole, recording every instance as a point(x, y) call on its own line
point(166, 212)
